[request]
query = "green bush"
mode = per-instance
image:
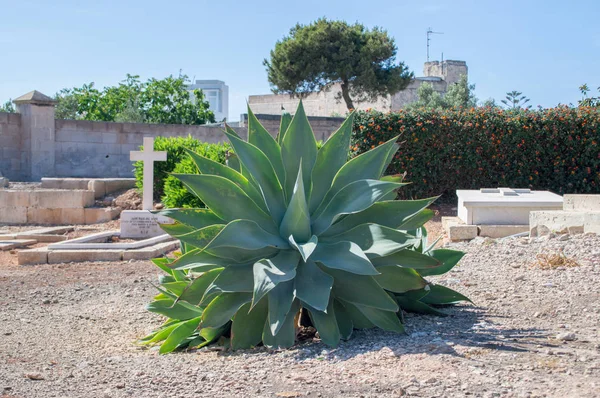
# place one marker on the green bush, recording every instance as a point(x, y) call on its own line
point(176, 195)
point(175, 147)
point(553, 149)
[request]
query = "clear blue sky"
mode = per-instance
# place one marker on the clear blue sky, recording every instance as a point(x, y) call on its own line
point(545, 49)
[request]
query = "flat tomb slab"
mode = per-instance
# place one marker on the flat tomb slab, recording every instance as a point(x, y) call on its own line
point(99, 241)
point(503, 206)
point(16, 243)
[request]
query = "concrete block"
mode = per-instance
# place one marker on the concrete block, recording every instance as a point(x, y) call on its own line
point(14, 198)
point(65, 216)
point(42, 238)
point(33, 256)
point(462, 232)
point(543, 222)
point(110, 138)
point(501, 231)
point(13, 215)
point(447, 221)
point(99, 188)
point(63, 199)
point(65, 183)
point(98, 215)
point(78, 256)
point(582, 202)
point(118, 184)
point(592, 222)
point(148, 253)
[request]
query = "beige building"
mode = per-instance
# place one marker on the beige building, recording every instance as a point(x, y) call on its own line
point(439, 74)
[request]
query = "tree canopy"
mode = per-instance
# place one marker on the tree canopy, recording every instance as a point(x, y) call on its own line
point(460, 94)
point(154, 101)
point(316, 56)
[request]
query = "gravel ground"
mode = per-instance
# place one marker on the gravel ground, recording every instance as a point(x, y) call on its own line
point(68, 330)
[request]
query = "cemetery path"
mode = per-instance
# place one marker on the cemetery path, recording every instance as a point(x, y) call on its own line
point(68, 330)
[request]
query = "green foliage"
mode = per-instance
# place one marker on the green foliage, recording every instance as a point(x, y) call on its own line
point(175, 194)
point(588, 101)
point(155, 101)
point(460, 94)
point(444, 150)
point(314, 57)
point(176, 154)
point(515, 100)
point(8, 107)
point(327, 248)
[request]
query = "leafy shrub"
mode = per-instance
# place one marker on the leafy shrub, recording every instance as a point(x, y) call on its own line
point(443, 150)
point(176, 195)
point(297, 236)
point(175, 147)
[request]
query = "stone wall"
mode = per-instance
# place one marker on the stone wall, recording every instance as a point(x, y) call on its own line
point(101, 149)
point(12, 160)
point(323, 127)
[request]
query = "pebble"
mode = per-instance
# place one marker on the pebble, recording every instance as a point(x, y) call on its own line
point(567, 336)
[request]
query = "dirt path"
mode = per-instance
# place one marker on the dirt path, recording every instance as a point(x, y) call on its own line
point(531, 332)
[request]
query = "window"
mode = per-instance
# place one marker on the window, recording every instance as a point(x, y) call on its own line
point(212, 96)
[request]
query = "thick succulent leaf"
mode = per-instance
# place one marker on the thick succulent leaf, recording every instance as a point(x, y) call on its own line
point(199, 261)
point(313, 286)
point(408, 259)
point(196, 218)
point(280, 301)
point(298, 149)
point(440, 295)
point(169, 308)
point(286, 119)
point(386, 320)
point(247, 326)
point(417, 221)
point(175, 288)
point(353, 198)
point(226, 200)
point(367, 166)
point(160, 334)
point(207, 166)
point(347, 256)
point(233, 162)
point(330, 158)
point(411, 305)
point(448, 258)
point(344, 320)
point(399, 280)
point(201, 237)
point(260, 138)
point(375, 240)
point(360, 289)
point(194, 292)
point(359, 321)
point(268, 273)
point(176, 229)
point(179, 335)
point(233, 279)
point(286, 337)
point(246, 234)
point(326, 324)
point(305, 249)
point(296, 221)
point(222, 308)
point(388, 214)
point(259, 165)
point(242, 256)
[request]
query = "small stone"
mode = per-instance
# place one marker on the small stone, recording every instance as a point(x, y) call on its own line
point(34, 376)
point(519, 278)
point(159, 206)
point(515, 265)
point(46, 301)
point(564, 237)
point(120, 386)
point(567, 336)
point(536, 315)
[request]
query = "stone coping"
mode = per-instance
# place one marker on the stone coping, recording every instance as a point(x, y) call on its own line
point(475, 198)
point(87, 242)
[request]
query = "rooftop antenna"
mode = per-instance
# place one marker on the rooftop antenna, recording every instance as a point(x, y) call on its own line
point(429, 33)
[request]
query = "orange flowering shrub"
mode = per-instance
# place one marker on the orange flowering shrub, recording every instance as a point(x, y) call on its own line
point(556, 149)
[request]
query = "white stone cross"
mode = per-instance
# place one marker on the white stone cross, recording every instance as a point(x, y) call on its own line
point(148, 156)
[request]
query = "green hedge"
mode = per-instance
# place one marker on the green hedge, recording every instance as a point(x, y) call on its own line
point(553, 149)
point(175, 156)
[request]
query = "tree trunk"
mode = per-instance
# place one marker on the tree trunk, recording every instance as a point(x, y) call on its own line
point(346, 95)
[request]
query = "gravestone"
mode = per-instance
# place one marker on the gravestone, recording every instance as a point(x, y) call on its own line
point(503, 206)
point(3, 181)
point(142, 223)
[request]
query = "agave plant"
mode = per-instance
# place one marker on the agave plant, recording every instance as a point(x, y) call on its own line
point(294, 235)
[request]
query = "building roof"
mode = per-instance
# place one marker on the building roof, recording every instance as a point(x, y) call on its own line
point(429, 78)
